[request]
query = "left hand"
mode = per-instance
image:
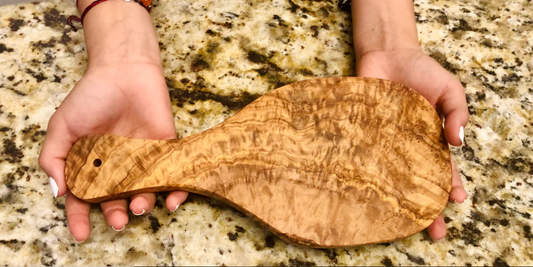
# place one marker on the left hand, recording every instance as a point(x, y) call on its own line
point(444, 92)
point(125, 100)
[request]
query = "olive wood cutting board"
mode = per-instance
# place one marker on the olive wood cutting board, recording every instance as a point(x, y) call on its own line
point(328, 162)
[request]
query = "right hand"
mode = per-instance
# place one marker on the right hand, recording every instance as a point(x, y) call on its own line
point(127, 100)
point(442, 90)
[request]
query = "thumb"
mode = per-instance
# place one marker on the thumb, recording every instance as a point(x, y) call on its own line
point(54, 152)
point(455, 110)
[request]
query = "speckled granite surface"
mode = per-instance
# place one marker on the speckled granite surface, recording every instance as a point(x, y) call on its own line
point(220, 55)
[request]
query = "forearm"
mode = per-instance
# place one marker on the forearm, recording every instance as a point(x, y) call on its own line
point(118, 32)
point(383, 25)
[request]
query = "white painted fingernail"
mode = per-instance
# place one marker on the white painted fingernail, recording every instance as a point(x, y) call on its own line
point(54, 186)
point(462, 134)
point(119, 229)
point(176, 208)
point(139, 213)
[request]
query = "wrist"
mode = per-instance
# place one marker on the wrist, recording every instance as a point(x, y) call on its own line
point(118, 32)
point(381, 25)
point(129, 78)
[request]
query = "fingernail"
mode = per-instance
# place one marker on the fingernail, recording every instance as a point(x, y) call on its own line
point(462, 134)
point(79, 242)
point(176, 208)
point(139, 213)
point(54, 186)
point(119, 229)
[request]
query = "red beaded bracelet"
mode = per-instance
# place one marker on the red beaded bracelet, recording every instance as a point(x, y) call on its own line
point(147, 4)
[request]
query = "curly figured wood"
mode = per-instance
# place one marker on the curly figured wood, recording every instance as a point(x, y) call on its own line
point(330, 162)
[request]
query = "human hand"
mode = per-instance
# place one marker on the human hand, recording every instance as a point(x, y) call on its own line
point(444, 92)
point(127, 100)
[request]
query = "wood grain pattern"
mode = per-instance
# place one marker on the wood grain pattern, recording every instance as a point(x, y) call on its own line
point(329, 162)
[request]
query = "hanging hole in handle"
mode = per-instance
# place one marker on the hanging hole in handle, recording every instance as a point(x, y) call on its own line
point(97, 163)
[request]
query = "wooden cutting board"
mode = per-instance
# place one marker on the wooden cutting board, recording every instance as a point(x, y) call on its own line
point(329, 162)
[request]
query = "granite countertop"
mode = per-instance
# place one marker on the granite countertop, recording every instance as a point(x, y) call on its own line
point(219, 56)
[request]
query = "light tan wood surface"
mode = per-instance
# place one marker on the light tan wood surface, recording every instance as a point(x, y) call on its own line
point(329, 162)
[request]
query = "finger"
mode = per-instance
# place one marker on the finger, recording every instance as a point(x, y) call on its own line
point(78, 220)
point(54, 152)
point(437, 230)
point(458, 193)
point(116, 213)
point(175, 198)
point(455, 110)
point(142, 203)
